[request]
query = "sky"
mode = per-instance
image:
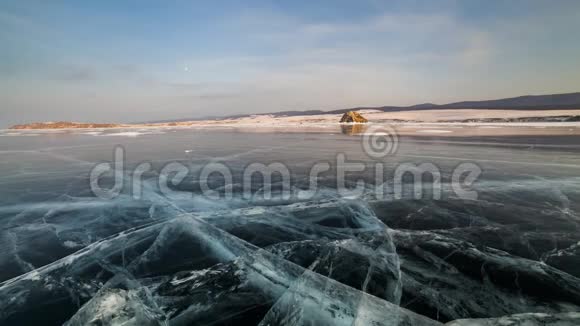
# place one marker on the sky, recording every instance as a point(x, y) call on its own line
point(142, 60)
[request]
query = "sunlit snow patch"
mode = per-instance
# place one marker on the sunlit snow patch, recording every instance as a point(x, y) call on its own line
point(434, 131)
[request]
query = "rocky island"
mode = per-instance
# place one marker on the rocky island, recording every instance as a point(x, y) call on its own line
point(66, 125)
point(353, 117)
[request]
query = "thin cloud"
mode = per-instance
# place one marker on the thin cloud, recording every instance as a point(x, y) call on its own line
point(74, 74)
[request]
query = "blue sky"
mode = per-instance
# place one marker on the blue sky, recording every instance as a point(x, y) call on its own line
point(147, 60)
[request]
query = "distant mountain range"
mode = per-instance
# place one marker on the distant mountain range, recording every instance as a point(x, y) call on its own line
point(538, 104)
point(528, 102)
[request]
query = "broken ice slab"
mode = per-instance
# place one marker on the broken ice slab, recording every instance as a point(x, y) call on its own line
point(447, 279)
point(244, 290)
point(567, 259)
point(367, 261)
point(313, 299)
point(121, 301)
point(114, 307)
point(53, 293)
point(529, 319)
point(353, 262)
point(422, 214)
point(438, 283)
point(264, 226)
point(74, 280)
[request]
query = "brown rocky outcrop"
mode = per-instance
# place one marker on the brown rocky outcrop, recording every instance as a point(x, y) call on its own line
point(353, 117)
point(64, 125)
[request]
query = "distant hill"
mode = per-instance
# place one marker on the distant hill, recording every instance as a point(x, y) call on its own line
point(570, 101)
point(528, 102)
point(556, 101)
